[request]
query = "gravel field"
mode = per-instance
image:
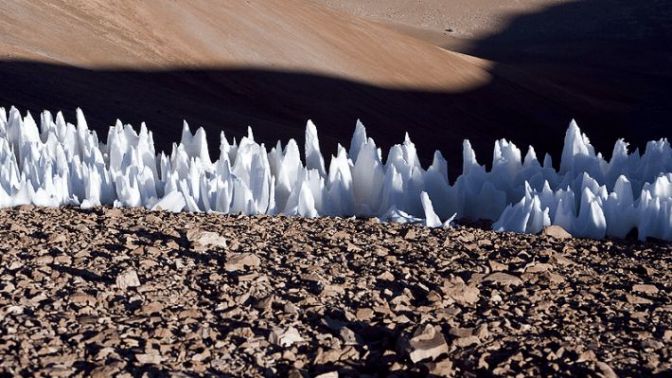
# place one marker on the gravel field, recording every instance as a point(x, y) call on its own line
point(130, 292)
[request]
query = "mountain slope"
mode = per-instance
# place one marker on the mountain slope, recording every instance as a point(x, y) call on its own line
point(273, 65)
point(291, 35)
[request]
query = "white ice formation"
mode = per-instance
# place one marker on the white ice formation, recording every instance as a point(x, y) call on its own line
point(63, 164)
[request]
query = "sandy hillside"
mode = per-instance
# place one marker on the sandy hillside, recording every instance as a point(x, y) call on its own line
point(448, 23)
point(288, 35)
point(608, 60)
point(229, 64)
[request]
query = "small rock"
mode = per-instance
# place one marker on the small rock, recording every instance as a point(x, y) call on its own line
point(113, 212)
point(463, 342)
point(646, 289)
point(440, 369)
point(290, 309)
point(426, 343)
point(364, 314)
point(44, 260)
point(153, 219)
point(204, 240)
point(348, 336)
point(538, 268)
point(265, 304)
point(560, 259)
point(312, 277)
point(151, 308)
point(238, 261)
point(556, 232)
point(63, 260)
point(587, 356)
point(15, 265)
point(410, 234)
point(482, 331)
point(633, 299)
point(502, 278)
point(461, 332)
point(82, 298)
point(458, 291)
point(285, 337)
point(56, 238)
point(652, 344)
point(386, 276)
point(667, 335)
point(497, 266)
point(605, 370)
point(149, 358)
point(128, 279)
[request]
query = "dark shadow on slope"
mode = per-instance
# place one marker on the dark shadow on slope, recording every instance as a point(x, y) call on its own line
point(607, 63)
point(278, 104)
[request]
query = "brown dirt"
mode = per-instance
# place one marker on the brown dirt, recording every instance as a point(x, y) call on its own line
point(130, 291)
point(291, 35)
point(273, 65)
point(444, 22)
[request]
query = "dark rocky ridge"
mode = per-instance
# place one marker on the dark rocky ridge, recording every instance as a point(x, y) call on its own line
point(129, 291)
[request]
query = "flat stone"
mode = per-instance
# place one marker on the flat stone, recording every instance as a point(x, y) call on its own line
point(605, 370)
point(82, 298)
point(152, 308)
point(667, 335)
point(285, 337)
point(114, 212)
point(128, 279)
point(149, 358)
point(556, 232)
point(364, 314)
point(239, 261)
point(461, 293)
point(504, 279)
point(386, 276)
point(442, 368)
point(461, 332)
point(586, 356)
point(426, 343)
point(562, 260)
point(645, 288)
point(496, 266)
point(44, 260)
point(633, 299)
point(463, 342)
point(204, 240)
point(538, 268)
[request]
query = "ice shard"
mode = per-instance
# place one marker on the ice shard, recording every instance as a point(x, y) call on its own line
point(57, 163)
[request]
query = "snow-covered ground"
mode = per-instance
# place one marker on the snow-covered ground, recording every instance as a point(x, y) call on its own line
point(64, 164)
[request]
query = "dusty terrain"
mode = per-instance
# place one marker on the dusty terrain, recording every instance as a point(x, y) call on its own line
point(454, 23)
point(226, 65)
point(530, 67)
point(107, 291)
point(292, 35)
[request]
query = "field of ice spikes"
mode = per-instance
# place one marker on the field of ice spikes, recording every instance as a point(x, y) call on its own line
point(64, 164)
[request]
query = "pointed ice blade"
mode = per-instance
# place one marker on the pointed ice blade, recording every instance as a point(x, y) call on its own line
point(314, 159)
point(431, 219)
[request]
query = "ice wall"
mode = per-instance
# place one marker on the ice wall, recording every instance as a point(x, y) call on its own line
point(59, 163)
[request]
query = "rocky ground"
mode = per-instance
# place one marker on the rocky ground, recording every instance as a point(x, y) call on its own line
point(129, 292)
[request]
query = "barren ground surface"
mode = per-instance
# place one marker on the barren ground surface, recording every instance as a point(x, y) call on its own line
point(444, 22)
point(129, 291)
point(531, 66)
point(292, 35)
